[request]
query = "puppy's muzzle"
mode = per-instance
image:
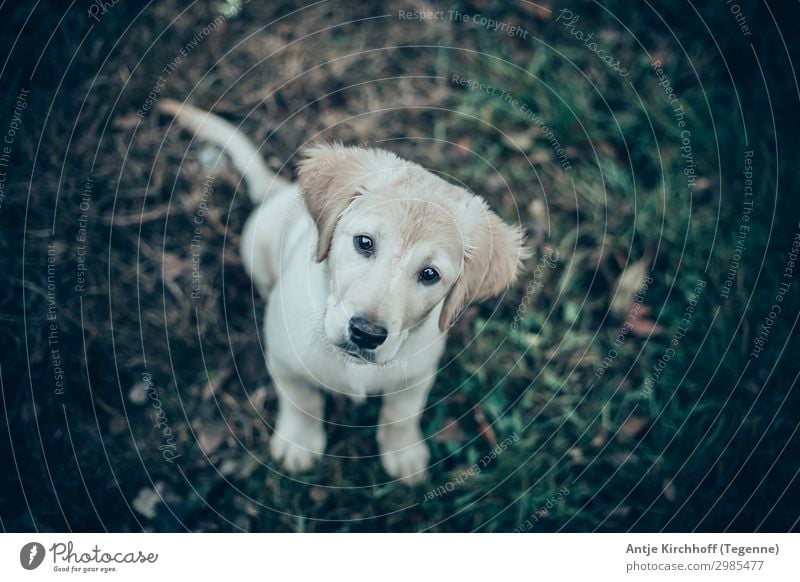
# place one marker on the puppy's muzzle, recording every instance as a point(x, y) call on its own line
point(366, 334)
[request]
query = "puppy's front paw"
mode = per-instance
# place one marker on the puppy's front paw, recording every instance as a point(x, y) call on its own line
point(407, 464)
point(297, 453)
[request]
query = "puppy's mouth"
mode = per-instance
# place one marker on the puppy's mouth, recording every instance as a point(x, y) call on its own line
point(360, 354)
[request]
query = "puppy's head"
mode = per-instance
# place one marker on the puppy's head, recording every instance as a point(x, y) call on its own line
point(402, 246)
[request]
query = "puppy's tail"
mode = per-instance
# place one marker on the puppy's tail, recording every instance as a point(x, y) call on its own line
point(260, 180)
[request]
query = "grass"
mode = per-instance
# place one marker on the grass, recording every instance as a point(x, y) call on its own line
point(710, 446)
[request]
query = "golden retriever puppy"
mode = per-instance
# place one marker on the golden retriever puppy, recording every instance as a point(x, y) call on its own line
point(366, 261)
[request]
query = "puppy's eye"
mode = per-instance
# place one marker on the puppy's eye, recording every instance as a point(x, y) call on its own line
point(428, 276)
point(364, 244)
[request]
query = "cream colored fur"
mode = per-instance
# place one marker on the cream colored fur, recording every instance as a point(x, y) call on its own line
point(298, 247)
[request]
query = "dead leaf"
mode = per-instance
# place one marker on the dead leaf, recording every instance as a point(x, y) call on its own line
point(702, 184)
point(210, 436)
point(642, 327)
point(452, 432)
point(541, 156)
point(147, 499)
point(600, 438)
point(628, 285)
point(228, 467)
point(538, 212)
point(258, 397)
point(631, 427)
point(542, 9)
point(622, 512)
point(138, 393)
point(575, 454)
point(172, 266)
point(318, 494)
point(484, 427)
point(463, 147)
point(215, 382)
point(522, 141)
point(127, 121)
point(669, 490)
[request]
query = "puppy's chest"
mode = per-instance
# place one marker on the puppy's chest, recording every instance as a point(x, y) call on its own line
point(357, 380)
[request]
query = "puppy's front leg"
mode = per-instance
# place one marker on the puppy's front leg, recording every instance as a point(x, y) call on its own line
point(404, 453)
point(299, 437)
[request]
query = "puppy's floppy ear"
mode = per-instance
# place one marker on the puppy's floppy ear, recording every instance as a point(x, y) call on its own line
point(330, 176)
point(493, 253)
point(325, 189)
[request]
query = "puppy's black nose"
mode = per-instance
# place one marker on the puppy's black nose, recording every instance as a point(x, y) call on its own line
point(366, 334)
